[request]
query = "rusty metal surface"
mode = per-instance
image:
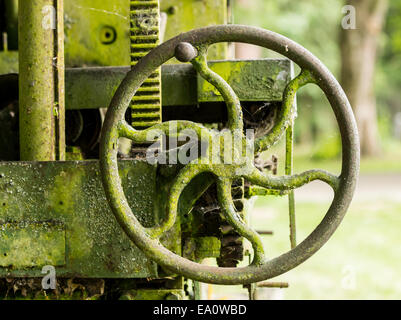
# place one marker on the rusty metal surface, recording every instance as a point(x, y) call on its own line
point(312, 71)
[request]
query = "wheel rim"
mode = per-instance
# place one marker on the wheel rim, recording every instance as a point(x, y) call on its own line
point(347, 180)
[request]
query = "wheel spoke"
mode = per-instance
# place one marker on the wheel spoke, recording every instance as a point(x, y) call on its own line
point(288, 113)
point(234, 109)
point(230, 213)
point(293, 181)
point(181, 181)
point(171, 129)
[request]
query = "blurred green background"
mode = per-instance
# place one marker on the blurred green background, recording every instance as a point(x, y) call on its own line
point(363, 258)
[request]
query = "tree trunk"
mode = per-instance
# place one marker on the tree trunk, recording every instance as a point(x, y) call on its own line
point(358, 53)
point(245, 50)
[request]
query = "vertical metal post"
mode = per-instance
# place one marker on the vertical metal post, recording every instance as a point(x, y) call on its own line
point(60, 82)
point(41, 76)
point(289, 168)
point(289, 171)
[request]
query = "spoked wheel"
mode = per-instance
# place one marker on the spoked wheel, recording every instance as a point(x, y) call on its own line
point(192, 47)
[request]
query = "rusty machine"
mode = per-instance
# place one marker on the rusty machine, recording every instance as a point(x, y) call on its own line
point(85, 84)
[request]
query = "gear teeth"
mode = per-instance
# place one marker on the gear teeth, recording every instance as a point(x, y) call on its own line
point(145, 28)
point(232, 247)
point(215, 225)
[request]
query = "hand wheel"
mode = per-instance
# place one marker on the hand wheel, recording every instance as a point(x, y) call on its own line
point(192, 47)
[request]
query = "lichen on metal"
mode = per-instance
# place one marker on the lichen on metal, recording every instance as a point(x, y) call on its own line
point(199, 248)
point(288, 112)
point(186, 15)
point(291, 195)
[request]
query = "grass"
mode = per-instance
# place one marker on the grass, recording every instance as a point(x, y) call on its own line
point(389, 160)
point(360, 261)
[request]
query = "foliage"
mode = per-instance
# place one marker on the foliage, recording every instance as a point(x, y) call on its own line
point(388, 80)
point(312, 23)
point(316, 24)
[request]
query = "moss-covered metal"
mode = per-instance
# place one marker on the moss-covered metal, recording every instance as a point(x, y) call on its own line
point(37, 89)
point(199, 248)
point(312, 72)
point(252, 80)
point(165, 225)
point(186, 15)
point(97, 17)
point(27, 244)
point(56, 213)
point(97, 32)
point(41, 82)
point(289, 159)
point(145, 35)
point(88, 88)
point(64, 220)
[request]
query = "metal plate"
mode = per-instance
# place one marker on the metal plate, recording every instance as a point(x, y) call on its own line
point(252, 80)
point(28, 245)
point(38, 199)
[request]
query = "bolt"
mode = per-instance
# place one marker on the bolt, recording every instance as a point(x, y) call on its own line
point(185, 52)
point(108, 35)
point(172, 10)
